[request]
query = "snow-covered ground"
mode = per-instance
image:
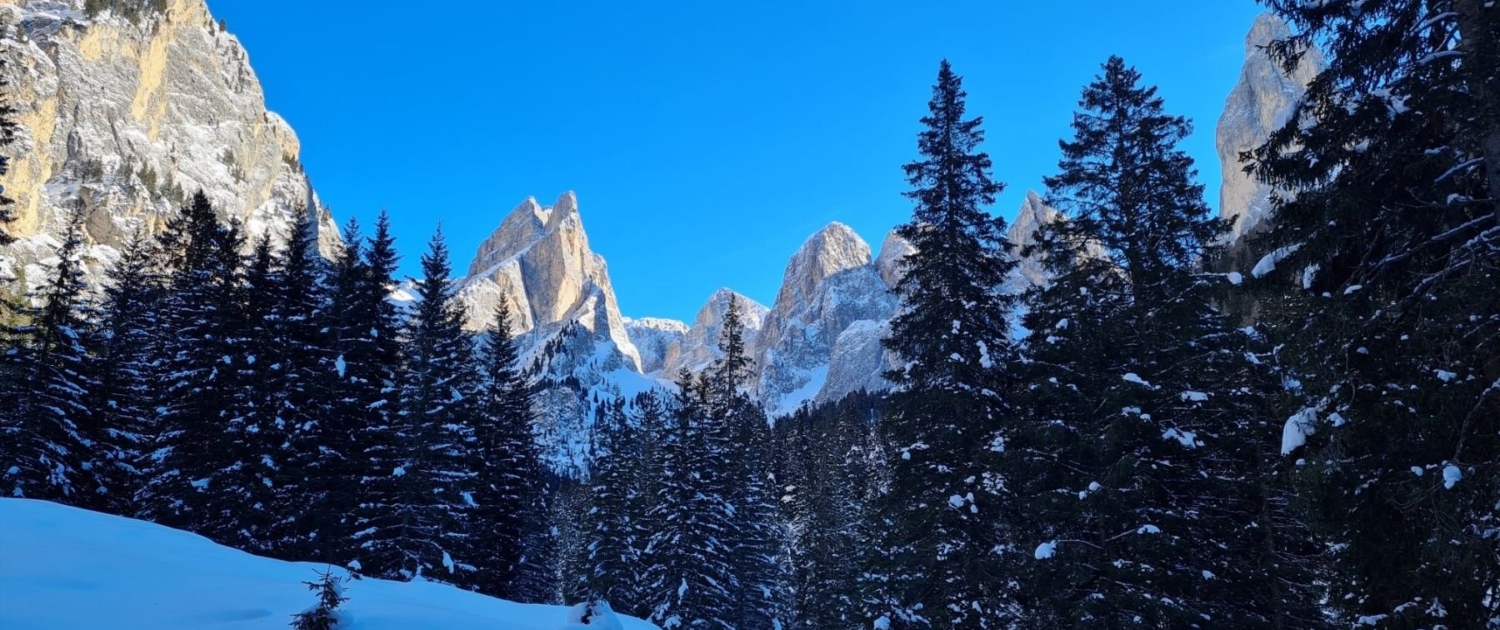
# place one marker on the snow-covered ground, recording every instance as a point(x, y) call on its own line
point(62, 567)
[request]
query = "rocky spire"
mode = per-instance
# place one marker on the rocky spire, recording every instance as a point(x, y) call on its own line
point(1261, 102)
point(539, 262)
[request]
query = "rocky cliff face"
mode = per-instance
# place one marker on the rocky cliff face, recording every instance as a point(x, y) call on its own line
point(539, 262)
point(1261, 102)
point(565, 315)
point(124, 118)
point(830, 286)
point(699, 345)
point(655, 338)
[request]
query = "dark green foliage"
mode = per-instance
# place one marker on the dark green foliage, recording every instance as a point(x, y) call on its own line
point(938, 560)
point(827, 475)
point(122, 399)
point(362, 336)
point(514, 544)
point(46, 435)
point(413, 516)
point(329, 588)
point(1382, 281)
point(1148, 432)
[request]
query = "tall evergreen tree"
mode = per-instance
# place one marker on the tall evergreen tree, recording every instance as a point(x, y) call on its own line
point(612, 538)
point(197, 477)
point(414, 515)
point(939, 561)
point(46, 435)
point(125, 372)
point(511, 542)
point(1145, 407)
point(364, 344)
point(298, 371)
point(1381, 283)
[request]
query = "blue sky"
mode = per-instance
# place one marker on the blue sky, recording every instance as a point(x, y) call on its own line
point(705, 140)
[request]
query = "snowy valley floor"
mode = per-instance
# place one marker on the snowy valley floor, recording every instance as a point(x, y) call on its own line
point(66, 568)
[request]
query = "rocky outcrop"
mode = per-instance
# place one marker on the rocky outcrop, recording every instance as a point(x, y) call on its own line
point(1261, 102)
point(125, 118)
point(892, 252)
point(699, 346)
point(654, 338)
point(1022, 233)
point(539, 262)
point(830, 284)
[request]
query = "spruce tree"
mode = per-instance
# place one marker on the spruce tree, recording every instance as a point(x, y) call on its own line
point(511, 543)
point(127, 344)
point(197, 477)
point(938, 563)
point(298, 373)
point(1147, 412)
point(611, 546)
point(414, 516)
point(364, 344)
point(46, 434)
point(1380, 280)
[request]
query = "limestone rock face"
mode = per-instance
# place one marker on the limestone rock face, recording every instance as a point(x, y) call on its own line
point(699, 345)
point(892, 252)
point(539, 262)
point(1261, 102)
point(1022, 233)
point(830, 283)
point(654, 338)
point(126, 119)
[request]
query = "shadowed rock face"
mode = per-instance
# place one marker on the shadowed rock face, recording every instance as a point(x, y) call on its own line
point(699, 345)
point(1261, 102)
point(122, 118)
point(830, 284)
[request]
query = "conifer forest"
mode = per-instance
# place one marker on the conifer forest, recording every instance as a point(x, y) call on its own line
point(1182, 424)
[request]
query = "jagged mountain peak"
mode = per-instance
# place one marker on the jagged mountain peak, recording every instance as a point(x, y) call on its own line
point(1262, 101)
point(699, 346)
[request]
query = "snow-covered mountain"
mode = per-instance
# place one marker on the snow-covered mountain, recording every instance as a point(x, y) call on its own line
point(127, 117)
point(831, 285)
point(699, 344)
point(1261, 102)
point(564, 312)
point(71, 568)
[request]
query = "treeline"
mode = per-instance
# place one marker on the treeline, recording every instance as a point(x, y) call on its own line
point(1167, 441)
point(279, 403)
point(1161, 439)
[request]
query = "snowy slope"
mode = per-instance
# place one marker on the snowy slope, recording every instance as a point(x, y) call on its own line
point(69, 568)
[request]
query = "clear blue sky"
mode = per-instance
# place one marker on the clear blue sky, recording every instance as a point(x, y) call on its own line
point(705, 140)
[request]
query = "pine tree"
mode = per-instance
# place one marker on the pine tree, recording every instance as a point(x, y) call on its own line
point(298, 372)
point(197, 477)
point(46, 435)
point(824, 475)
point(1147, 411)
point(690, 548)
point(611, 530)
point(939, 561)
point(512, 543)
point(127, 343)
point(363, 341)
point(414, 515)
point(1380, 278)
